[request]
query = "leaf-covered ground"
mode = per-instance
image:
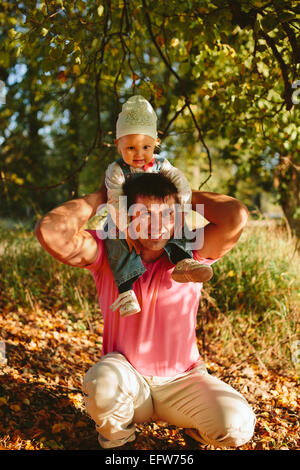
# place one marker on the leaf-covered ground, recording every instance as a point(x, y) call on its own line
point(41, 403)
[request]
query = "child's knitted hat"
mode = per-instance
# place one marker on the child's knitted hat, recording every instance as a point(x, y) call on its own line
point(137, 117)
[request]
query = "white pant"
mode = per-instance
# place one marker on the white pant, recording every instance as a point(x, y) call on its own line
point(117, 396)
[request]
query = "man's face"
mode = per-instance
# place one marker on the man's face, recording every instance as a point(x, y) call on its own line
point(153, 221)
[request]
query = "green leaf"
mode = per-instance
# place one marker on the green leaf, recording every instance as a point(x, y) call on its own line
point(69, 48)
point(269, 23)
point(80, 5)
point(5, 60)
point(100, 10)
point(55, 53)
point(261, 47)
point(263, 68)
point(12, 33)
point(39, 16)
point(47, 65)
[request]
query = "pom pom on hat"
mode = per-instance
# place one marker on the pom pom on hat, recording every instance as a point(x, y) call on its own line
point(137, 117)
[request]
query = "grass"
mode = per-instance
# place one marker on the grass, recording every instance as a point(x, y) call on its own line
point(31, 278)
point(249, 311)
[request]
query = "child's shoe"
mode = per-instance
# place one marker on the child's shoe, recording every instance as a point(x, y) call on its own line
point(190, 270)
point(127, 303)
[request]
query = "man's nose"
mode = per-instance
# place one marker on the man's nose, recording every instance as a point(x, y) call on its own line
point(156, 223)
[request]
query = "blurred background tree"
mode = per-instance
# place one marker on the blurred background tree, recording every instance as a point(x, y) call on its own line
point(222, 76)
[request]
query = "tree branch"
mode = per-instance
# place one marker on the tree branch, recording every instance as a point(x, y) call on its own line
point(187, 99)
point(283, 67)
point(165, 131)
point(293, 42)
point(105, 41)
point(6, 179)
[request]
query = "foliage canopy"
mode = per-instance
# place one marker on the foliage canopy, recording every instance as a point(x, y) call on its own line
point(222, 76)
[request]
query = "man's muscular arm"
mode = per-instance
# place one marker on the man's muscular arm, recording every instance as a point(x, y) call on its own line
point(227, 218)
point(59, 231)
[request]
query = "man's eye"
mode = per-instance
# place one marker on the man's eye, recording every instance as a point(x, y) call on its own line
point(168, 213)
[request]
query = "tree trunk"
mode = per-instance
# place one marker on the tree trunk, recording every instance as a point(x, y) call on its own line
point(288, 174)
point(73, 183)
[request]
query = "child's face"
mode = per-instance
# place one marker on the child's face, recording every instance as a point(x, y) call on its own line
point(136, 149)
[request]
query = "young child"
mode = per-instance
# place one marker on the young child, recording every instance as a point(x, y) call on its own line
point(136, 139)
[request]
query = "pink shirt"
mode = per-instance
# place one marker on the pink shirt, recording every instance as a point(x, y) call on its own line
point(161, 339)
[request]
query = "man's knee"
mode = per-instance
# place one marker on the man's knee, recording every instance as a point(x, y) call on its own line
point(232, 426)
point(101, 386)
point(237, 426)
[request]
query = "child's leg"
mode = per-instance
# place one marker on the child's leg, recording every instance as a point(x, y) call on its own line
point(127, 302)
point(126, 268)
point(186, 268)
point(127, 285)
point(177, 254)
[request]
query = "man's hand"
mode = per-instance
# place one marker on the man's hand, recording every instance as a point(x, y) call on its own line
point(60, 230)
point(227, 219)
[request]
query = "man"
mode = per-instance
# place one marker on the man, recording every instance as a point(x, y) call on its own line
point(150, 366)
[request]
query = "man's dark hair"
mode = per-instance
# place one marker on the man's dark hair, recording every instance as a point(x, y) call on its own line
point(149, 185)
